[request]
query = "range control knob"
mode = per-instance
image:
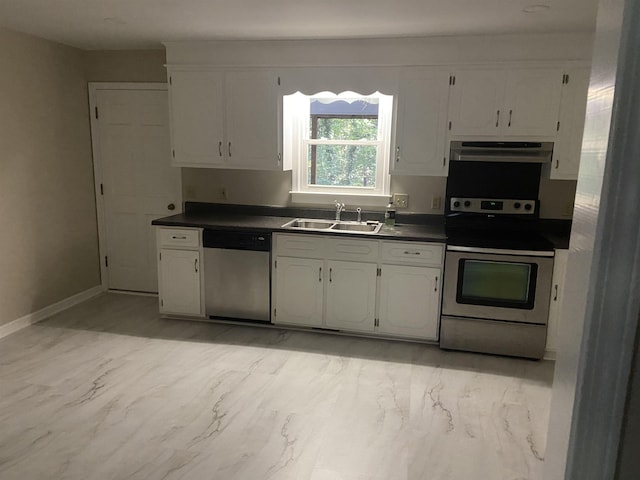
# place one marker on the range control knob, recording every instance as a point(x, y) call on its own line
point(517, 205)
point(467, 203)
point(456, 204)
point(528, 206)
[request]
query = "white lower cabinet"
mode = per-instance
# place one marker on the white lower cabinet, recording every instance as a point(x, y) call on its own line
point(300, 291)
point(180, 279)
point(179, 282)
point(358, 285)
point(351, 296)
point(410, 301)
point(555, 305)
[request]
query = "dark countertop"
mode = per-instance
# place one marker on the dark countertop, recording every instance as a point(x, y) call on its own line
point(432, 232)
point(409, 227)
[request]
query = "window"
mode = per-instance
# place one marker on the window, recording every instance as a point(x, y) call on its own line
point(339, 144)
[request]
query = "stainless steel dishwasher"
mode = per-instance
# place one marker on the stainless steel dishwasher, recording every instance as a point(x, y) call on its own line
point(237, 275)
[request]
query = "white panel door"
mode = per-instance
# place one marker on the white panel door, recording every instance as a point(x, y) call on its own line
point(422, 122)
point(475, 106)
point(132, 131)
point(252, 124)
point(410, 301)
point(532, 102)
point(351, 295)
point(299, 291)
point(197, 118)
point(179, 282)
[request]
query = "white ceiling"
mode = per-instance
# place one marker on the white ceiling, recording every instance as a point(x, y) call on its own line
point(128, 24)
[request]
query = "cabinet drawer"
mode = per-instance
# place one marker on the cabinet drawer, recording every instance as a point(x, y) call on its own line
point(178, 237)
point(308, 246)
point(352, 249)
point(412, 253)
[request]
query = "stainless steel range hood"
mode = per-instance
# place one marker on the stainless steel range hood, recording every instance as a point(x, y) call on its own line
point(513, 152)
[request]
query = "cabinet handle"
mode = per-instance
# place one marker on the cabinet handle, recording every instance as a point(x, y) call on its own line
point(330, 279)
point(435, 287)
point(510, 113)
point(229, 148)
point(497, 118)
point(320, 275)
point(181, 237)
point(555, 297)
point(557, 163)
point(220, 148)
point(195, 264)
point(407, 252)
point(397, 153)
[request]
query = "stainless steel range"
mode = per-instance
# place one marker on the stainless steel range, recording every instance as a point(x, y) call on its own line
point(498, 268)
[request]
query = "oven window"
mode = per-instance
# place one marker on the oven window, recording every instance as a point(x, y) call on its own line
point(500, 284)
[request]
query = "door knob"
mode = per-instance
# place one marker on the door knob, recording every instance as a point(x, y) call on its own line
point(171, 206)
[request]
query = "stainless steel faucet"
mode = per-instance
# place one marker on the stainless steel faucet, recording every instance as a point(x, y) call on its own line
point(359, 212)
point(339, 209)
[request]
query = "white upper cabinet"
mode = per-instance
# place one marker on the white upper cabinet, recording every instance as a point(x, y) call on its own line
point(504, 102)
point(476, 100)
point(568, 145)
point(253, 130)
point(532, 102)
point(225, 119)
point(421, 126)
point(196, 102)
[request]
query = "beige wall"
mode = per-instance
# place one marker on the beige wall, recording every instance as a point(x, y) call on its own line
point(272, 188)
point(48, 239)
point(125, 66)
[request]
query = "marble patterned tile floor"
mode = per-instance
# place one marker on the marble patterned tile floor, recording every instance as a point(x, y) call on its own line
point(108, 390)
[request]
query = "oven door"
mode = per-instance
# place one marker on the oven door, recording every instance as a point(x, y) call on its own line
point(508, 285)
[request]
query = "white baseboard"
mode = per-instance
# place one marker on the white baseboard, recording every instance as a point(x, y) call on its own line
point(46, 312)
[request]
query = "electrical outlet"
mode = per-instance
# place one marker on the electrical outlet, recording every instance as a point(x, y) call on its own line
point(436, 203)
point(401, 200)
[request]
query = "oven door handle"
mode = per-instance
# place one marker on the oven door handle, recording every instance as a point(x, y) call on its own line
point(500, 251)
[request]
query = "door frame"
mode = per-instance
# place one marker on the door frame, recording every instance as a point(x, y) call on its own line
point(94, 88)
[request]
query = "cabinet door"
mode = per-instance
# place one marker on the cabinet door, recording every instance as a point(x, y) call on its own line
point(299, 291)
point(196, 104)
point(410, 301)
point(179, 282)
point(555, 306)
point(476, 102)
point(532, 102)
point(253, 132)
point(422, 123)
point(351, 295)
point(573, 107)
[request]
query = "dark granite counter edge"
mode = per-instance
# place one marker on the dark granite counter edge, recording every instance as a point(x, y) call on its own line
point(269, 219)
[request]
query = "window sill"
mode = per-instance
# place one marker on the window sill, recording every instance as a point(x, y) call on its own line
point(350, 199)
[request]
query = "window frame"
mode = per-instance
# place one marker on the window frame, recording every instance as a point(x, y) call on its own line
point(296, 138)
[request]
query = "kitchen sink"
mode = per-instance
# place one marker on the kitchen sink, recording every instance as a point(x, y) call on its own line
point(357, 227)
point(307, 224)
point(333, 225)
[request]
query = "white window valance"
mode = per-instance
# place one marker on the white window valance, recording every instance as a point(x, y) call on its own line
point(364, 80)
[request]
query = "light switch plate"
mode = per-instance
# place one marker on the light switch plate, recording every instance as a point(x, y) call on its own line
point(436, 202)
point(401, 200)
